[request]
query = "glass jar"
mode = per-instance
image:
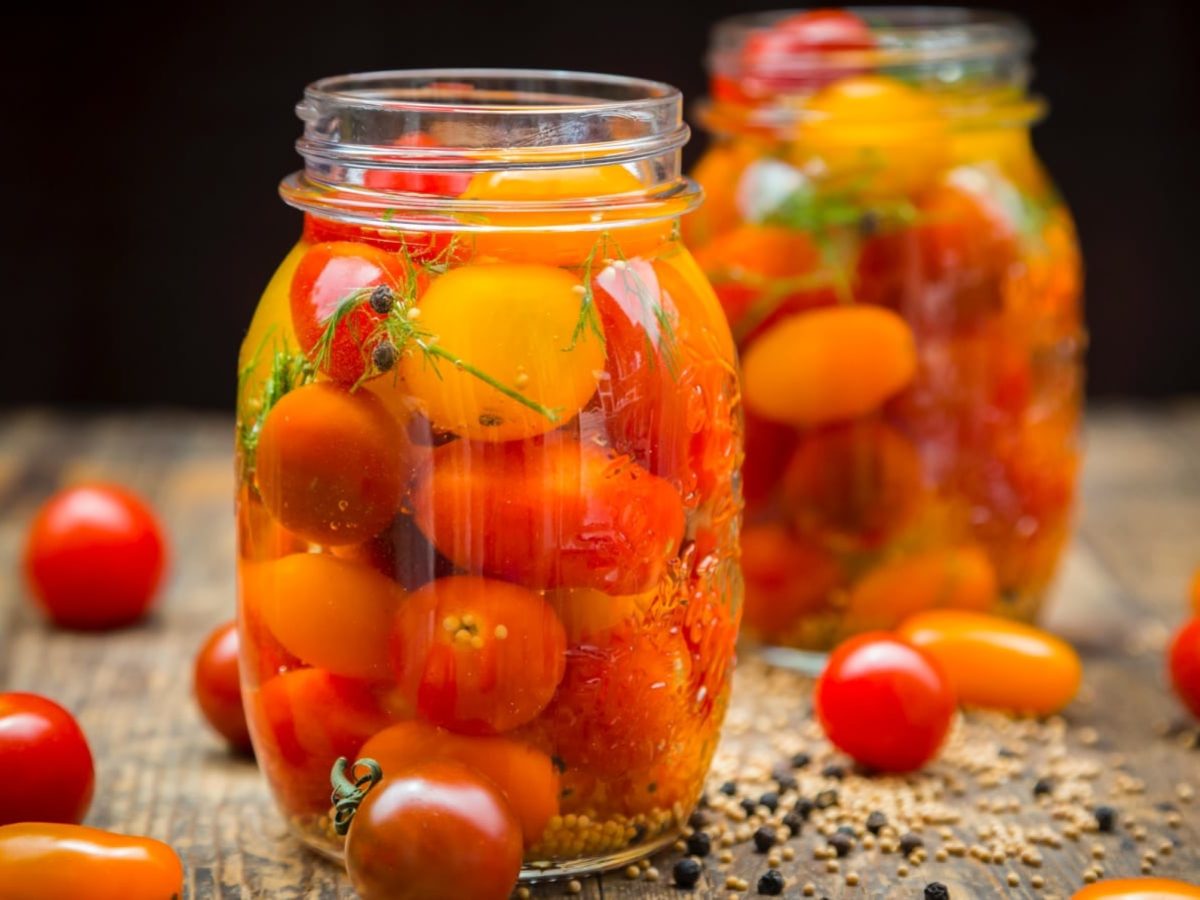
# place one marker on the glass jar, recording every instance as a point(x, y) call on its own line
point(488, 434)
point(903, 283)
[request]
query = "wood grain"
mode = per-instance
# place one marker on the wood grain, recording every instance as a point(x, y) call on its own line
point(160, 772)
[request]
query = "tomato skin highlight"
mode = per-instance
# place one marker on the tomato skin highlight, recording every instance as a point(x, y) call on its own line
point(436, 832)
point(94, 557)
point(46, 768)
point(885, 703)
point(1137, 889)
point(40, 861)
point(1184, 661)
point(217, 686)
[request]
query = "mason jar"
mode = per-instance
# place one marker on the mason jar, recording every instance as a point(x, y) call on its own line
point(903, 283)
point(487, 437)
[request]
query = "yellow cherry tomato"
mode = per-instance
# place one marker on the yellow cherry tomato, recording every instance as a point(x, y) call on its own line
point(829, 364)
point(875, 134)
point(1137, 889)
point(514, 325)
point(998, 663)
point(947, 578)
point(587, 613)
point(535, 244)
point(271, 328)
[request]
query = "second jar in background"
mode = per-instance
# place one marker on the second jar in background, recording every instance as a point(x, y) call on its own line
point(903, 283)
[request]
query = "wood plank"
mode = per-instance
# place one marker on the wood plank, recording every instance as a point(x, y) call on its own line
point(161, 772)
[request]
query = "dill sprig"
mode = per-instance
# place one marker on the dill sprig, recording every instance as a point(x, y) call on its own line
point(289, 370)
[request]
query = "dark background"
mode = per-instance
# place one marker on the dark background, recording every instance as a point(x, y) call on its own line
point(139, 158)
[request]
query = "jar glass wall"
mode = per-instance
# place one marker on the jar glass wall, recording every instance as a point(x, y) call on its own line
point(488, 431)
point(903, 283)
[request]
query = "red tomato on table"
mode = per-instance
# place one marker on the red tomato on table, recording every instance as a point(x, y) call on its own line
point(1185, 665)
point(94, 557)
point(46, 771)
point(218, 688)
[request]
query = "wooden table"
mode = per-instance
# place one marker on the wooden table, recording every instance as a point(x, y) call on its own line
point(160, 772)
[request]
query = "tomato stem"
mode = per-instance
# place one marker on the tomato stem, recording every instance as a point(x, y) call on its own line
point(347, 793)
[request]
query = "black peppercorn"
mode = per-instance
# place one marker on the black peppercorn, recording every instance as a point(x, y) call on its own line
point(785, 780)
point(750, 806)
point(910, 842)
point(841, 842)
point(794, 823)
point(876, 822)
point(800, 760)
point(384, 355)
point(804, 808)
point(382, 299)
point(686, 872)
point(771, 883)
point(833, 770)
point(699, 844)
point(698, 819)
point(826, 799)
point(935, 890)
point(764, 838)
point(770, 800)
point(728, 789)
point(1042, 786)
point(1106, 818)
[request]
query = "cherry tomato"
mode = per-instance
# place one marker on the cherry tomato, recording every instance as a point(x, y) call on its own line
point(769, 447)
point(1195, 592)
point(1137, 889)
point(1184, 657)
point(40, 861)
point(94, 557)
point(421, 246)
point(443, 184)
point(303, 721)
point(513, 324)
point(218, 688)
point(787, 577)
point(46, 771)
point(788, 55)
point(439, 831)
point(551, 513)
point(998, 663)
point(622, 701)
point(328, 275)
point(331, 464)
point(950, 577)
point(859, 482)
point(525, 776)
point(476, 655)
point(587, 613)
point(884, 702)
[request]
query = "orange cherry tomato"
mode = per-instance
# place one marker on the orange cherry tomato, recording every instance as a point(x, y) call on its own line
point(331, 464)
point(437, 832)
point(330, 613)
point(859, 482)
point(549, 513)
point(46, 770)
point(828, 365)
point(950, 577)
point(622, 701)
point(39, 861)
point(1184, 662)
point(217, 686)
point(476, 655)
point(94, 557)
point(998, 663)
point(1137, 889)
point(586, 613)
point(787, 578)
point(302, 722)
point(525, 776)
point(260, 536)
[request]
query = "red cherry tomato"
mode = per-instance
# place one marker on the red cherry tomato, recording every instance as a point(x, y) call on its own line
point(46, 772)
point(328, 275)
point(420, 245)
point(94, 557)
point(788, 55)
point(443, 184)
point(1185, 665)
point(218, 688)
point(476, 655)
point(884, 702)
point(439, 831)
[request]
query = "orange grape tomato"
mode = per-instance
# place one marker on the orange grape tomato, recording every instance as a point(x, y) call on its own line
point(39, 861)
point(329, 275)
point(623, 700)
point(476, 655)
point(998, 663)
point(303, 721)
point(549, 513)
point(876, 130)
point(1137, 889)
point(331, 613)
point(217, 686)
point(828, 364)
point(260, 536)
point(1184, 663)
point(514, 326)
point(530, 242)
point(787, 577)
point(438, 832)
point(860, 482)
point(330, 464)
point(587, 613)
point(525, 776)
point(950, 577)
